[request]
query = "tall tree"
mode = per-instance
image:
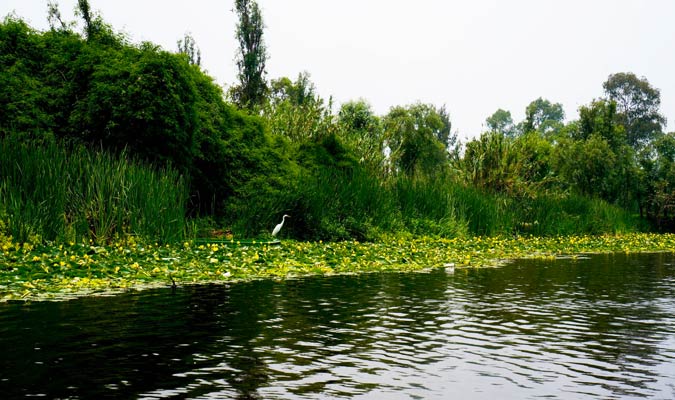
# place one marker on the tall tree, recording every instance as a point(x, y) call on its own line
point(501, 121)
point(252, 56)
point(543, 116)
point(637, 107)
point(95, 28)
point(188, 47)
point(84, 9)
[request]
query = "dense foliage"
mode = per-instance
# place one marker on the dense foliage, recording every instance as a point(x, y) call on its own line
point(152, 104)
point(340, 174)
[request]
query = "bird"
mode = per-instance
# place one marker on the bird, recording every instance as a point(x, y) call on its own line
point(278, 227)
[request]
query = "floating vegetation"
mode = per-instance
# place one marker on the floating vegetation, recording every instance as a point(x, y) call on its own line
point(57, 272)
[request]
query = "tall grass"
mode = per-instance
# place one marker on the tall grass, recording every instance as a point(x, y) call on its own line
point(485, 213)
point(429, 206)
point(573, 214)
point(331, 204)
point(54, 193)
point(336, 204)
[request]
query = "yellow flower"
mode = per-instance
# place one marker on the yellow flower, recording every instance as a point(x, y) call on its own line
point(36, 258)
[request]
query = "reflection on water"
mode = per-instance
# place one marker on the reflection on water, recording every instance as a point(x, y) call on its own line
point(602, 327)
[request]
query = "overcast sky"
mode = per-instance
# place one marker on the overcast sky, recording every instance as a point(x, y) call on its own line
point(473, 56)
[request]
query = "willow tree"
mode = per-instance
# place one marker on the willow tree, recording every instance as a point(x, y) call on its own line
point(415, 135)
point(252, 56)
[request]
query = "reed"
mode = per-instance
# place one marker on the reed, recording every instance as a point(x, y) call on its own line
point(53, 193)
point(337, 204)
point(429, 206)
point(485, 213)
point(548, 215)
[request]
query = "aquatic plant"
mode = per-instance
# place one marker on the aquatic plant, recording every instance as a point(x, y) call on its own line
point(43, 272)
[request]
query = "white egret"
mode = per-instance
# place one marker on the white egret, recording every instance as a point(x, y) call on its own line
point(278, 227)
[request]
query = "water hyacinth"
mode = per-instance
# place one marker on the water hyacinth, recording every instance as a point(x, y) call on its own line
point(47, 272)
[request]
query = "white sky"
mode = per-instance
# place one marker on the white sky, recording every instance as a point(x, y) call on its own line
point(473, 56)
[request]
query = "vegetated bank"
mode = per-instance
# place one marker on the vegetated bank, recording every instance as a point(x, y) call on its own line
point(109, 147)
point(65, 95)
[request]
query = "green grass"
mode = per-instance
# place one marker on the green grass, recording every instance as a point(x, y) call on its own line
point(334, 205)
point(486, 214)
point(572, 214)
point(338, 205)
point(429, 207)
point(52, 193)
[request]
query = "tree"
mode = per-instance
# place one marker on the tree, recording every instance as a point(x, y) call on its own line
point(362, 130)
point(637, 107)
point(84, 10)
point(95, 29)
point(252, 56)
point(658, 181)
point(445, 134)
point(299, 93)
point(502, 122)
point(56, 23)
point(413, 134)
point(295, 111)
point(588, 166)
point(600, 118)
point(543, 116)
point(188, 47)
point(23, 97)
point(595, 159)
point(141, 100)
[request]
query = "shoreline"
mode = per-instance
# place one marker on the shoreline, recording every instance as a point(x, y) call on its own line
point(54, 272)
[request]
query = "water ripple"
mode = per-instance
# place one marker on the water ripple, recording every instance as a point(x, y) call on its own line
point(600, 327)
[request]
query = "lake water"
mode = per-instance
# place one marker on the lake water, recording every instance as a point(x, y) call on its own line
point(601, 327)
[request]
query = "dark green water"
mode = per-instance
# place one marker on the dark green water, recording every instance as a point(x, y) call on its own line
point(602, 327)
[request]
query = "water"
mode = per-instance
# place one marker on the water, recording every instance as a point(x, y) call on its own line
point(602, 327)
